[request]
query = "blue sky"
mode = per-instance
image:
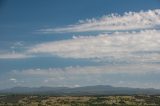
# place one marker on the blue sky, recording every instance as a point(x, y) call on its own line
point(79, 42)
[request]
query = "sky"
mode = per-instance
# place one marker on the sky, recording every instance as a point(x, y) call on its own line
point(74, 43)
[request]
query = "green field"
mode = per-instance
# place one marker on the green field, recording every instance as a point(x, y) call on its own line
point(28, 100)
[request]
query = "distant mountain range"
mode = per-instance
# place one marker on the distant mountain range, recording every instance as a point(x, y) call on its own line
point(81, 91)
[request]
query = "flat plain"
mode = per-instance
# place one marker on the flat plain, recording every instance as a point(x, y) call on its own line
point(41, 100)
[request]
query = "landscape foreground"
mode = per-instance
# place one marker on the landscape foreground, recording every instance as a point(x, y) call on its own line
point(39, 100)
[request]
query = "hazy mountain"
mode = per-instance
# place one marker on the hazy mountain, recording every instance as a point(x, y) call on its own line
point(87, 90)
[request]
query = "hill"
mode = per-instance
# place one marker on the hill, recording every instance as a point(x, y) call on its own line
point(80, 91)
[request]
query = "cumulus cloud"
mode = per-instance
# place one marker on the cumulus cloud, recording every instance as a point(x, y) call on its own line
point(128, 21)
point(140, 46)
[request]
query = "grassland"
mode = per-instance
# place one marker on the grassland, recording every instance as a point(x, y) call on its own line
point(28, 100)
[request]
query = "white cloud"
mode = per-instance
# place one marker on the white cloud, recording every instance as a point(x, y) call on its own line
point(133, 46)
point(13, 80)
point(117, 75)
point(128, 21)
point(76, 85)
point(60, 73)
point(13, 55)
point(140, 46)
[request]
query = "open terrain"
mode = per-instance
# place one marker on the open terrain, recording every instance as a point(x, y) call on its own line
point(32, 100)
point(99, 95)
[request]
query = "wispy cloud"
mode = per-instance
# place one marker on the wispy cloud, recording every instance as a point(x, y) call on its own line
point(13, 80)
point(14, 50)
point(140, 46)
point(14, 55)
point(132, 46)
point(112, 22)
point(117, 75)
point(77, 70)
